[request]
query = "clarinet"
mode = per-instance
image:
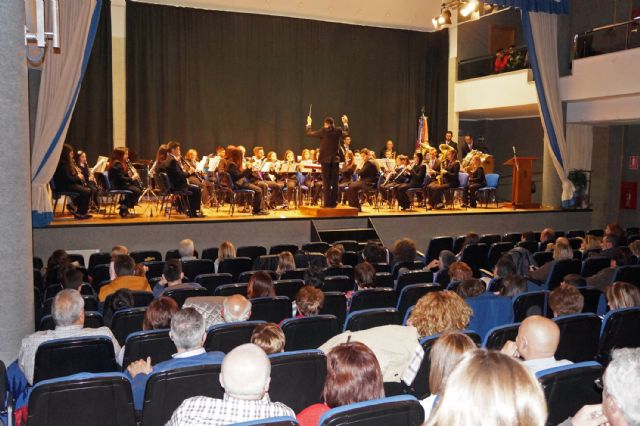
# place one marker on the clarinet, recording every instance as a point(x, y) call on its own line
point(136, 178)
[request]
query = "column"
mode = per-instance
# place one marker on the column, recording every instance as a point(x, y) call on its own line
point(118, 72)
point(16, 265)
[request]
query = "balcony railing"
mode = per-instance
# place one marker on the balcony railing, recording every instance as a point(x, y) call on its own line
point(607, 39)
point(482, 66)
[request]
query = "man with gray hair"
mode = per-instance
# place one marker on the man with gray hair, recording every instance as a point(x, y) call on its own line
point(245, 377)
point(620, 394)
point(188, 334)
point(218, 310)
point(68, 314)
point(187, 250)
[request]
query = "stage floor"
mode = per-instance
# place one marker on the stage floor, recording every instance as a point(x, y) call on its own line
point(146, 214)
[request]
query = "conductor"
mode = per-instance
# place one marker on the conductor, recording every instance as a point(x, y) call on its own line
point(329, 136)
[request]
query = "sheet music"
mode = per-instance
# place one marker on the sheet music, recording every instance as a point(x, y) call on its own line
point(309, 166)
point(289, 167)
point(213, 163)
point(386, 164)
point(201, 163)
point(101, 164)
point(266, 167)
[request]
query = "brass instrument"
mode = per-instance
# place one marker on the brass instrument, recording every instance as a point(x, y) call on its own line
point(486, 160)
point(444, 150)
point(133, 174)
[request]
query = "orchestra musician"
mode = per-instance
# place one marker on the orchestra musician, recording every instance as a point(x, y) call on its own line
point(67, 179)
point(197, 178)
point(476, 181)
point(178, 178)
point(122, 177)
point(240, 175)
point(417, 172)
point(290, 179)
point(276, 198)
point(469, 145)
point(161, 157)
point(448, 140)
point(449, 179)
point(346, 174)
point(88, 179)
point(367, 178)
point(395, 178)
point(329, 136)
point(388, 151)
point(433, 164)
point(345, 147)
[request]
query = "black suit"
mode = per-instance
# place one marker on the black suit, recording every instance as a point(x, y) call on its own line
point(120, 179)
point(66, 179)
point(479, 146)
point(434, 168)
point(453, 144)
point(178, 181)
point(416, 179)
point(476, 181)
point(240, 179)
point(328, 158)
point(449, 180)
point(368, 177)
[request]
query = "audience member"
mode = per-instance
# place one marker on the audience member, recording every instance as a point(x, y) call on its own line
point(140, 270)
point(188, 334)
point(245, 377)
point(512, 286)
point(159, 313)
point(364, 275)
point(490, 388)
point(613, 229)
point(503, 268)
point(374, 252)
point(440, 311)
point(309, 301)
point(561, 250)
point(123, 265)
point(121, 299)
point(172, 276)
point(57, 264)
point(225, 251)
point(260, 285)
point(116, 251)
point(269, 337)
point(314, 276)
point(634, 247)
point(444, 356)
point(547, 236)
point(334, 257)
point(471, 288)
point(590, 242)
point(604, 277)
point(286, 262)
point(470, 239)
point(353, 375)
point(460, 271)
point(609, 245)
point(68, 315)
point(575, 280)
point(404, 250)
point(187, 250)
point(527, 236)
point(620, 394)
point(218, 310)
point(443, 263)
point(566, 300)
point(73, 278)
point(622, 295)
point(536, 343)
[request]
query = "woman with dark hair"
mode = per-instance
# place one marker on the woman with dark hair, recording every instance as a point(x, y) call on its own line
point(57, 264)
point(121, 299)
point(353, 375)
point(260, 285)
point(346, 174)
point(416, 172)
point(88, 179)
point(120, 178)
point(239, 176)
point(67, 179)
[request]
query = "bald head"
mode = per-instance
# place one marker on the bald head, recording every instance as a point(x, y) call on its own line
point(236, 308)
point(538, 337)
point(246, 372)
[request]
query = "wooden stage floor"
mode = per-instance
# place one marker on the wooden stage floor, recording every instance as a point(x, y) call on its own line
point(146, 214)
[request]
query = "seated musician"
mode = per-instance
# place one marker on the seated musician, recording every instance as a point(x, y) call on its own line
point(394, 178)
point(240, 175)
point(449, 174)
point(417, 172)
point(433, 164)
point(197, 178)
point(178, 178)
point(476, 181)
point(161, 157)
point(123, 177)
point(346, 174)
point(66, 178)
point(367, 179)
point(274, 193)
point(289, 179)
point(88, 179)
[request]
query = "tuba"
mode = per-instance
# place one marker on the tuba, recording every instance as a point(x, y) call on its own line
point(444, 150)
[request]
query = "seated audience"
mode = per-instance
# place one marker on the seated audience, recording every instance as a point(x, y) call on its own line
point(123, 266)
point(512, 286)
point(115, 251)
point(269, 337)
point(218, 310)
point(440, 311)
point(635, 248)
point(188, 334)
point(614, 229)
point(504, 267)
point(245, 377)
point(561, 251)
point(490, 388)
point(460, 271)
point(68, 315)
point(187, 250)
point(172, 276)
point(404, 250)
point(364, 275)
point(602, 279)
point(590, 242)
point(575, 280)
point(314, 276)
point(225, 251)
point(470, 239)
point(140, 270)
point(309, 301)
point(547, 239)
point(73, 278)
point(620, 395)
point(566, 300)
point(471, 288)
point(121, 299)
point(334, 257)
point(353, 375)
point(443, 263)
point(57, 264)
point(536, 343)
point(622, 295)
point(445, 355)
point(159, 313)
point(286, 262)
point(609, 245)
point(260, 285)
point(374, 252)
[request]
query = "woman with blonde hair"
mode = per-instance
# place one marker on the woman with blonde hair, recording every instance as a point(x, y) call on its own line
point(225, 251)
point(490, 388)
point(445, 355)
point(286, 262)
point(561, 251)
point(622, 295)
point(440, 311)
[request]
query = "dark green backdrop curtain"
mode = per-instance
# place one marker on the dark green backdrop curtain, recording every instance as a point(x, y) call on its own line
point(91, 126)
point(208, 78)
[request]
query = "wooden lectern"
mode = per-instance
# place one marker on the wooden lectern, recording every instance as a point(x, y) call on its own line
point(521, 185)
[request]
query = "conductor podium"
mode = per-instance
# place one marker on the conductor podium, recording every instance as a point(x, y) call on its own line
point(521, 186)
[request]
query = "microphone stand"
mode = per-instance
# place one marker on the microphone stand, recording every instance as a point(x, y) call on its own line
point(515, 161)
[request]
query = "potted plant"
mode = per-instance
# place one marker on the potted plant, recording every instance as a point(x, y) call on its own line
point(580, 180)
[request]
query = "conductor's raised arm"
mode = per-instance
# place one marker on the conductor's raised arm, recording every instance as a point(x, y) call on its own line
point(312, 133)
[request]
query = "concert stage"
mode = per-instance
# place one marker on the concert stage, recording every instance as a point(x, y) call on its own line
point(290, 226)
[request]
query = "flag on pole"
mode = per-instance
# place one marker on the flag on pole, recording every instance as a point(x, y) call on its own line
point(423, 131)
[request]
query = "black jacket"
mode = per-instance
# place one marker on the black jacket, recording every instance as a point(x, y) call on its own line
point(416, 176)
point(177, 176)
point(66, 175)
point(451, 175)
point(479, 146)
point(477, 177)
point(369, 172)
point(236, 175)
point(329, 142)
point(118, 177)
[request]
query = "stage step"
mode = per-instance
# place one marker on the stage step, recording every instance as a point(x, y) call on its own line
point(359, 234)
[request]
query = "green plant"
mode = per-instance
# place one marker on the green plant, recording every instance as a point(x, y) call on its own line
point(578, 178)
